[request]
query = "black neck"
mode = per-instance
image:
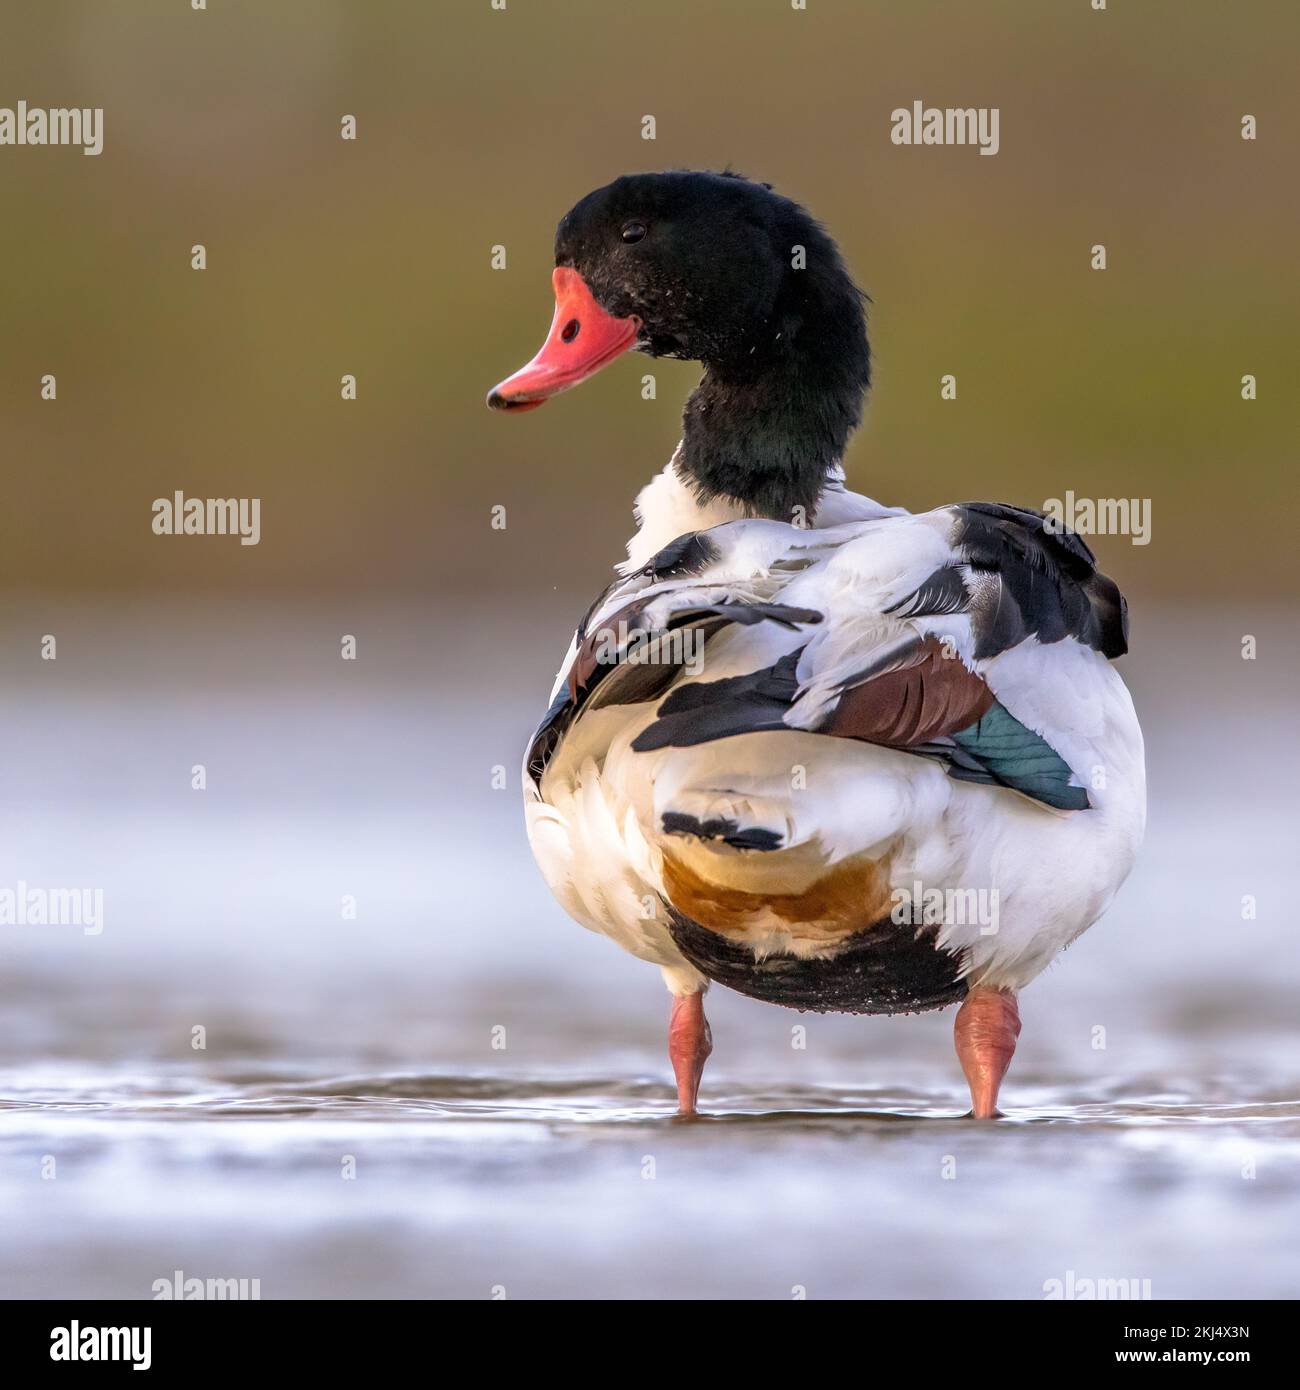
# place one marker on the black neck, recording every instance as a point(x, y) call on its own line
point(766, 427)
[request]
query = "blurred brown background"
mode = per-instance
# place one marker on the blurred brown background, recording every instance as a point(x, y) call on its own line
point(479, 127)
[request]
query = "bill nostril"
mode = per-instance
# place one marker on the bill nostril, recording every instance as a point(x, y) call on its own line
point(570, 331)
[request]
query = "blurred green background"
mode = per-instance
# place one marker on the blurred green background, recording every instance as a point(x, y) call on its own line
point(479, 126)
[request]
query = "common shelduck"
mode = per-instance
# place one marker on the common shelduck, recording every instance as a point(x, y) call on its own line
point(824, 752)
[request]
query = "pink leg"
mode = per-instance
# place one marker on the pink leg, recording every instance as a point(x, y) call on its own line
point(987, 1026)
point(689, 1045)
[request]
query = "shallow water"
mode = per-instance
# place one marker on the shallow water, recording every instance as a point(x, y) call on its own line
point(496, 1078)
point(587, 1185)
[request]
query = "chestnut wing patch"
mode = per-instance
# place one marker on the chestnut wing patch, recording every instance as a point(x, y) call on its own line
point(922, 702)
point(928, 698)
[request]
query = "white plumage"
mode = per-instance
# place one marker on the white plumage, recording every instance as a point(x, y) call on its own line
point(595, 821)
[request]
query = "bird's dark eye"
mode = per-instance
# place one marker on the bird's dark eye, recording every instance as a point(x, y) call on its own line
point(633, 231)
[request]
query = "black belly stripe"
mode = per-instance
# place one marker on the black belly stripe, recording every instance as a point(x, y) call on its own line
point(885, 969)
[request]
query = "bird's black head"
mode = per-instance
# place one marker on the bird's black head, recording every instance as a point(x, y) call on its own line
point(717, 269)
point(696, 257)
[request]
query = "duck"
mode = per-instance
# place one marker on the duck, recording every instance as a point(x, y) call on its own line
point(832, 755)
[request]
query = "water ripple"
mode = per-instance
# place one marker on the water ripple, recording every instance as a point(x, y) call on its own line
point(605, 1100)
